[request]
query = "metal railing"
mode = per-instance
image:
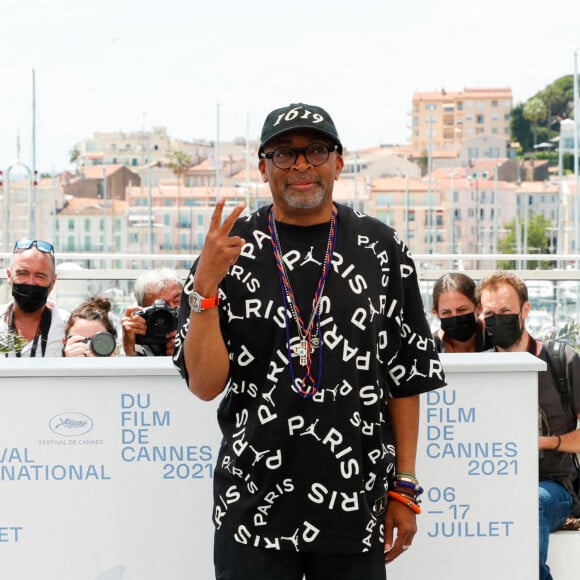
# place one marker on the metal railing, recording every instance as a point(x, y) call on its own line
point(554, 292)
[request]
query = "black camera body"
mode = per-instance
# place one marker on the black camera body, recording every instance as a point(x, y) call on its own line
point(161, 320)
point(102, 344)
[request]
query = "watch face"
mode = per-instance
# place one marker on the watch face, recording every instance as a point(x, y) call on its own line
point(195, 301)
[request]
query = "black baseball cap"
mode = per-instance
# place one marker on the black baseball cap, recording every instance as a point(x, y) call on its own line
point(298, 116)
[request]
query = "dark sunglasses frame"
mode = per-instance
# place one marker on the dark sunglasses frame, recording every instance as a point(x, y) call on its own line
point(300, 151)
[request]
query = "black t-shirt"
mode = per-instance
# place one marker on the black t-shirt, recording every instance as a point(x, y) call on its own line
point(305, 474)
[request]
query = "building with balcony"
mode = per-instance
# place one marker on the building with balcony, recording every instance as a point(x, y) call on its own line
point(172, 217)
point(91, 225)
point(441, 120)
point(454, 211)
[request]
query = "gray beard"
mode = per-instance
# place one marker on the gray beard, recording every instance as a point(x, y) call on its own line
point(304, 202)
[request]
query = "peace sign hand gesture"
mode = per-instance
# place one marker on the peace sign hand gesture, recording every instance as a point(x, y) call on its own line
point(220, 250)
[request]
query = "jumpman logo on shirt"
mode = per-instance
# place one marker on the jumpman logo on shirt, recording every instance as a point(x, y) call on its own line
point(257, 455)
point(310, 258)
point(231, 315)
point(414, 371)
point(268, 396)
point(293, 538)
point(372, 309)
point(311, 430)
point(333, 391)
point(372, 247)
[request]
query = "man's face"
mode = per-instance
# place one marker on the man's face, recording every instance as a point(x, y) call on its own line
point(32, 267)
point(171, 294)
point(501, 300)
point(505, 318)
point(303, 188)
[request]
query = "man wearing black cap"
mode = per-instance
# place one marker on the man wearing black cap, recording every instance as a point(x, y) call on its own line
point(308, 315)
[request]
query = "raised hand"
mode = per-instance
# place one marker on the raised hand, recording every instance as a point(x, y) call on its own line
point(220, 250)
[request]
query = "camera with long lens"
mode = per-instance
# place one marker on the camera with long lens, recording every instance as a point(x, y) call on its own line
point(102, 344)
point(161, 320)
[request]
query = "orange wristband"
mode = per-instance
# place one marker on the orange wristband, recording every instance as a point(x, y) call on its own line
point(407, 501)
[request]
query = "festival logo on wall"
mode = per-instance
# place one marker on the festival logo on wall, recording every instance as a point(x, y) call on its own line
point(71, 424)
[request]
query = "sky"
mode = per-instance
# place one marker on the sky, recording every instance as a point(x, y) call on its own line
point(133, 65)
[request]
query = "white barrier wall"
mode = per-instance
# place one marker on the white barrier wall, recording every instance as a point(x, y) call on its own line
point(106, 467)
point(478, 463)
point(105, 471)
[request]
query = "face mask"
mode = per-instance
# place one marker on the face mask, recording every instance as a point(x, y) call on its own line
point(460, 328)
point(29, 296)
point(504, 329)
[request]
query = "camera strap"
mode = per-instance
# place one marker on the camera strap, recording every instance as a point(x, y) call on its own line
point(44, 329)
point(45, 322)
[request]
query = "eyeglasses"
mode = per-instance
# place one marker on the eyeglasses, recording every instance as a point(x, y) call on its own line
point(40, 245)
point(315, 154)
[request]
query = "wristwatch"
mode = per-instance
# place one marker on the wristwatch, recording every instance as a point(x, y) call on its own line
point(199, 303)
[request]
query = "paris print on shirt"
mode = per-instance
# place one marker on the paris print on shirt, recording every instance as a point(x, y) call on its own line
point(374, 345)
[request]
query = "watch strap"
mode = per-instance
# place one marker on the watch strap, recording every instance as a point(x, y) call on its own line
point(206, 303)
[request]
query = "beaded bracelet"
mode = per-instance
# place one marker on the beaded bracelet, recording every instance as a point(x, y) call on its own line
point(405, 500)
point(559, 442)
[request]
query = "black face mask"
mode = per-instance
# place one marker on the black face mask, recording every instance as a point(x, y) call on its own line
point(504, 329)
point(29, 296)
point(461, 327)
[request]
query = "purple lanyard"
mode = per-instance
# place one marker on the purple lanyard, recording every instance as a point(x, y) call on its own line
point(308, 334)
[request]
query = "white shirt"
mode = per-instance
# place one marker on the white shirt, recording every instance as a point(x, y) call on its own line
point(55, 339)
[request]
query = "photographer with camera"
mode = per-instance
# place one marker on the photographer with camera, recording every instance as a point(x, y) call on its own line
point(149, 329)
point(89, 330)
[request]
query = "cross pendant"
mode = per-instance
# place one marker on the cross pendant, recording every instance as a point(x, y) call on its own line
point(303, 352)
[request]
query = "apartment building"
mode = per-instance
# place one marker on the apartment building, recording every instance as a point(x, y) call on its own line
point(172, 218)
point(442, 120)
point(28, 208)
point(381, 161)
point(91, 225)
point(455, 211)
point(137, 148)
point(101, 182)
